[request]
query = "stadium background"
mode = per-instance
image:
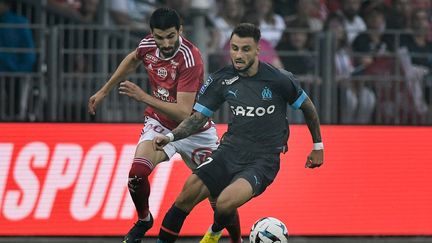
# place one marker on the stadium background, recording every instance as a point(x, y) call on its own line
point(375, 186)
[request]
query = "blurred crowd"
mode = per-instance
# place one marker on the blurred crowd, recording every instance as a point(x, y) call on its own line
point(369, 36)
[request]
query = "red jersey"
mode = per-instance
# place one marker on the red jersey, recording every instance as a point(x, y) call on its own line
point(183, 72)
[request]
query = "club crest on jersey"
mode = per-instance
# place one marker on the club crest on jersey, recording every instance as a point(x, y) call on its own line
point(151, 58)
point(162, 72)
point(230, 81)
point(266, 94)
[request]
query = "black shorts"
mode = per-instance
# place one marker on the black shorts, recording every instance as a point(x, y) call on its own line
point(228, 164)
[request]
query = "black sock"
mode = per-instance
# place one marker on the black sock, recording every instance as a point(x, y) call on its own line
point(171, 224)
point(233, 227)
point(221, 220)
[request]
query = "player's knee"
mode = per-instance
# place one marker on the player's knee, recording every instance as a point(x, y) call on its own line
point(138, 174)
point(225, 205)
point(183, 202)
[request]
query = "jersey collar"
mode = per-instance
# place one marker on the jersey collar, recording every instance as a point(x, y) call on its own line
point(175, 53)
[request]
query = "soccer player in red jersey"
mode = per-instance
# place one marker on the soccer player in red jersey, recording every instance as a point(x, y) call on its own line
point(175, 70)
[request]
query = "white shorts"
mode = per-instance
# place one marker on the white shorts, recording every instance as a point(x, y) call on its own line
point(193, 149)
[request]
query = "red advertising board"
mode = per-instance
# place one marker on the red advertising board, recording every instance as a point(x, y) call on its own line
point(70, 179)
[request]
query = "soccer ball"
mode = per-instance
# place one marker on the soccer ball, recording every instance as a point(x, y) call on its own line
point(267, 230)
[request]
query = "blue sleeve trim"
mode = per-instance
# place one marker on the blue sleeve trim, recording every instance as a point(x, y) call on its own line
point(204, 110)
point(299, 101)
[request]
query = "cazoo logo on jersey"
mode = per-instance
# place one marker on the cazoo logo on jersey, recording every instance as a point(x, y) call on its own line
point(252, 111)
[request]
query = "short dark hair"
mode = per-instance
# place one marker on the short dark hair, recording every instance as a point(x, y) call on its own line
point(165, 18)
point(247, 30)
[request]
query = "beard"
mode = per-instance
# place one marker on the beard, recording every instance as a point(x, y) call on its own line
point(245, 68)
point(170, 51)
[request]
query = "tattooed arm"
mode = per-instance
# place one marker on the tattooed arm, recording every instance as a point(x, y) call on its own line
point(189, 126)
point(186, 128)
point(316, 157)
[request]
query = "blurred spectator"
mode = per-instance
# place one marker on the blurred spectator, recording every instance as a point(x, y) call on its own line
point(417, 42)
point(368, 5)
point(84, 11)
point(271, 24)
point(293, 49)
point(133, 14)
point(184, 8)
point(419, 65)
point(333, 5)
point(373, 43)
point(399, 17)
point(285, 8)
point(357, 101)
point(424, 4)
point(354, 24)
point(374, 47)
point(19, 61)
point(230, 14)
point(343, 62)
point(311, 11)
point(15, 37)
point(68, 8)
point(89, 10)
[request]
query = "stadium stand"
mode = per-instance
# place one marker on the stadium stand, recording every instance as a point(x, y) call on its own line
point(72, 47)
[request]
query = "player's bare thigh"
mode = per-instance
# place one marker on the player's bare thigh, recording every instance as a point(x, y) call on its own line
point(234, 195)
point(145, 150)
point(194, 191)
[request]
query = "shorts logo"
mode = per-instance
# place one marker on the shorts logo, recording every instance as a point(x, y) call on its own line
point(200, 155)
point(208, 160)
point(162, 72)
point(266, 94)
point(257, 182)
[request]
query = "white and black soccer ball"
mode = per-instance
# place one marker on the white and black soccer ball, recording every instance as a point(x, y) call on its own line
point(268, 230)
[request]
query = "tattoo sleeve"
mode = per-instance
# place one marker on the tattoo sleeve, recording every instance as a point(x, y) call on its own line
point(190, 125)
point(312, 120)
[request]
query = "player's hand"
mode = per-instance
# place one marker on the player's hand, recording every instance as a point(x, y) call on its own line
point(160, 141)
point(315, 159)
point(94, 102)
point(132, 90)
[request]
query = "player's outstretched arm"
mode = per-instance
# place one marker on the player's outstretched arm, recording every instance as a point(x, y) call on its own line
point(186, 128)
point(316, 157)
point(127, 66)
point(177, 111)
